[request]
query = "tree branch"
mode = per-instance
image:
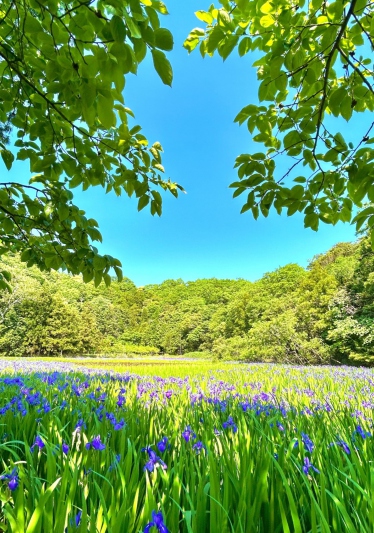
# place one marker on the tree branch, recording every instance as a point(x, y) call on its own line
point(356, 69)
point(327, 69)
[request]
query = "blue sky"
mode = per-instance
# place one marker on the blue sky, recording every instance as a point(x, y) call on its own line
point(200, 234)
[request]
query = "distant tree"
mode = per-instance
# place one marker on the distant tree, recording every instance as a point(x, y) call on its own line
point(351, 332)
point(315, 67)
point(63, 67)
point(279, 339)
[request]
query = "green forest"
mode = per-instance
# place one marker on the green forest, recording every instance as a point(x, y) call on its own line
point(321, 314)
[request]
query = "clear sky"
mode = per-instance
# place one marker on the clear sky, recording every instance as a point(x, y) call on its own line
point(200, 234)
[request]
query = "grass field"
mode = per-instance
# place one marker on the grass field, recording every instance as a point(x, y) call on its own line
point(178, 446)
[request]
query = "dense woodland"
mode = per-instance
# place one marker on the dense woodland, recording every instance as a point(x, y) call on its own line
point(324, 313)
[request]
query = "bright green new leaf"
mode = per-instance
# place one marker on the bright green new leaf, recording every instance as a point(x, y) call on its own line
point(267, 21)
point(204, 16)
point(162, 66)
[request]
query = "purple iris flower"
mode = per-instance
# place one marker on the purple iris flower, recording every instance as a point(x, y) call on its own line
point(308, 465)
point(230, 424)
point(154, 460)
point(343, 445)
point(362, 432)
point(121, 400)
point(81, 423)
point(37, 443)
point(75, 522)
point(198, 447)
point(13, 479)
point(119, 425)
point(188, 434)
point(168, 394)
point(308, 443)
point(96, 444)
point(47, 407)
point(163, 444)
point(157, 522)
point(65, 448)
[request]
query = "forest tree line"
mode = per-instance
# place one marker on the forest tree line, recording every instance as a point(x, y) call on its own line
point(321, 314)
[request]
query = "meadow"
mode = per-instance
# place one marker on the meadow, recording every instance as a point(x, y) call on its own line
point(189, 447)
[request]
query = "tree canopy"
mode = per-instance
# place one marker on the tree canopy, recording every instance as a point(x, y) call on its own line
point(314, 63)
point(63, 67)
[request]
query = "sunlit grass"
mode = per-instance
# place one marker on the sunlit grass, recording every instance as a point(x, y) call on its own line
point(250, 473)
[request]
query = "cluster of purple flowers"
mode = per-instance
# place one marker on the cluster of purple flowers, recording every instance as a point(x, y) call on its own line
point(230, 424)
point(216, 397)
point(117, 424)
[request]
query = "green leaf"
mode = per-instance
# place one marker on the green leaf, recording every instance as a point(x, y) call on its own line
point(335, 100)
point(281, 81)
point(140, 50)
point(118, 28)
point(63, 212)
point(133, 27)
point(224, 19)
point(263, 90)
point(143, 202)
point(105, 111)
point(32, 25)
point(98, 277)
point(227, 46)
point(164, 39)
point(244, 46)
point(214, 38)
point(162, 67)
point(88, 92)
point(118, 272)
point(8, 158)
point(38, 511)
point(297, 192)
point(292, 138)
point(346, 107)
point(311, 221)
point(99, 262)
